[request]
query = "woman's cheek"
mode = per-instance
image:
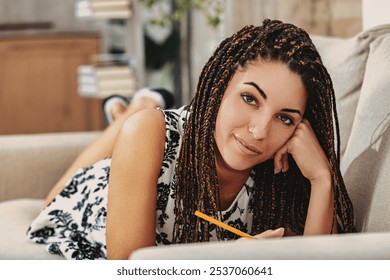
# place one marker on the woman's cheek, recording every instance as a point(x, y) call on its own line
point(280, 139)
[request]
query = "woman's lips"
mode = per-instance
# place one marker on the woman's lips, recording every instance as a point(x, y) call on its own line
point(246, 147)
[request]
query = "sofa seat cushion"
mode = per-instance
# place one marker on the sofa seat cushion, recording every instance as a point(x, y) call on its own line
point(15, 218)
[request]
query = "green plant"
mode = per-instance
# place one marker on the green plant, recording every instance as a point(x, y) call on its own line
point(212, 10)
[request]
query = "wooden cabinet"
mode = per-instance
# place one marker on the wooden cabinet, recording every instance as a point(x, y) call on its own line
point(38, 84)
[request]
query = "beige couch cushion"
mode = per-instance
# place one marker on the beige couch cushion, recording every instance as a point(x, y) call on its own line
point(366, 162)
point(346, 60)
point(34, 162)
point(15, 218)
point(360, 70)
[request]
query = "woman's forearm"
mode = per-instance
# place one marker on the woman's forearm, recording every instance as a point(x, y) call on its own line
point(321, 208)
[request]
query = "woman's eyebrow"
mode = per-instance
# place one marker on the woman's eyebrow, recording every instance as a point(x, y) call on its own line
point(262, 93)
point(292, 111)
point(256, 86)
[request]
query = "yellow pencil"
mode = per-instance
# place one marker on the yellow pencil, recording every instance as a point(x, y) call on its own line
point(223, 225)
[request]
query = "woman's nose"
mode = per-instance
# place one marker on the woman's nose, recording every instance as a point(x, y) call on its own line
point(260, 128)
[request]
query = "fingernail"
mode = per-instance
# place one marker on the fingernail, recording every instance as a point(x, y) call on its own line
point(276, 171)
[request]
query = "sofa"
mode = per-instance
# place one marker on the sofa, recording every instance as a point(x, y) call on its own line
point(360, 68)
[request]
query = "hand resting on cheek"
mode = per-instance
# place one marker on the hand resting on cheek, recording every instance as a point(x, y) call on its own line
point(307, 152)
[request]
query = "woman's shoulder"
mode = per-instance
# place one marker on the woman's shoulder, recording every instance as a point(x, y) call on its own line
point(148, 121)
point(156, 123)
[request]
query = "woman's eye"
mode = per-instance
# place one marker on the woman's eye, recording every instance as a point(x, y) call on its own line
point(249, 99)
point(286, 120)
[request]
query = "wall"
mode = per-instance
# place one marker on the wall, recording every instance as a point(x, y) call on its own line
point(340, 18)
point(375, 12)
point(326, 17)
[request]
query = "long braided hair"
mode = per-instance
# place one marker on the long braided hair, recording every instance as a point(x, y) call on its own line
point(277, 200)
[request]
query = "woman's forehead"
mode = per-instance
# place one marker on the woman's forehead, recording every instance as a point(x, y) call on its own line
point(272, 77)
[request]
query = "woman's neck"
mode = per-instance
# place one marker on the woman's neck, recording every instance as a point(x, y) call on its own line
point(230, 184)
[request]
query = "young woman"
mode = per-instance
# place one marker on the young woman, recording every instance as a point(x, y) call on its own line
point(254, 149)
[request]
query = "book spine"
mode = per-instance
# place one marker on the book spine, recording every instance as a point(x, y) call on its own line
point(110, 84)
point(103, 9)
point(119, 4)
point(93, 78)
point(93, 92)
point(112, 14)
point(105, 71)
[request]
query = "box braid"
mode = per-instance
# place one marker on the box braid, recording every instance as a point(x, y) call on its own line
point(278, 200)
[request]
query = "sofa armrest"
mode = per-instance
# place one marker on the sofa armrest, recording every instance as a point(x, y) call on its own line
point(342, 246)
point(33, 163)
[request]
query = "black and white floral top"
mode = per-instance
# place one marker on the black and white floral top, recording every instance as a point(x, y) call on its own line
point(73, 224)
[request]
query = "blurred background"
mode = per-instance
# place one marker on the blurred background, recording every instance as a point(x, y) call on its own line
point(59, 59)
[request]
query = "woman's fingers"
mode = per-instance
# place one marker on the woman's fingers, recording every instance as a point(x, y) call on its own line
point(278, 233)
point(285, 162)
point(281, 160)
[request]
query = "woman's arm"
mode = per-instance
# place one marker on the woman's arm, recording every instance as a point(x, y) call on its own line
point(320, 214)
point(313, 163)
point(135, 167)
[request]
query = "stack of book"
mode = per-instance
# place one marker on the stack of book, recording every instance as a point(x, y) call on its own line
point(105, 9)
point(103, 81)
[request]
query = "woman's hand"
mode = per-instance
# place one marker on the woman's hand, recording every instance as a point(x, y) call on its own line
point(277, 233)
point(307, 152)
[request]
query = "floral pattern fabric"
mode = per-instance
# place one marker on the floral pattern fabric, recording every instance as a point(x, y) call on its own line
point(73, 224)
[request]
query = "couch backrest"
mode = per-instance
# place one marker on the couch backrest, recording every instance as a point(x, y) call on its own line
point(360, 69)
point(33, 163)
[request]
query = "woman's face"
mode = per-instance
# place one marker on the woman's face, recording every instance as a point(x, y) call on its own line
point(262, 105)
